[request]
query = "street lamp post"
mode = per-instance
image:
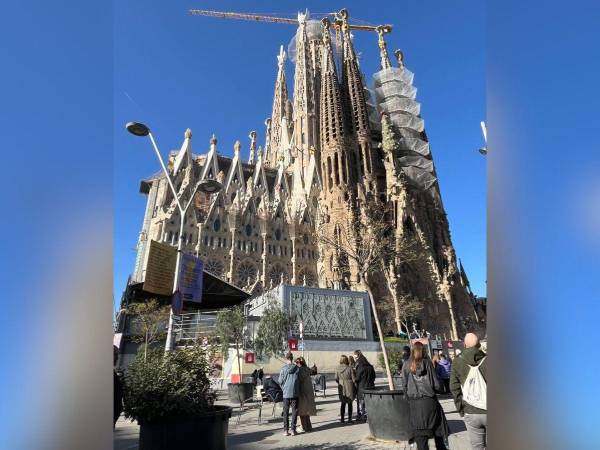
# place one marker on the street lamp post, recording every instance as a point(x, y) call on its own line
point(206, 186)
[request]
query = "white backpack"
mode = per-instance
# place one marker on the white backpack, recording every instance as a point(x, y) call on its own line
point(475, 388)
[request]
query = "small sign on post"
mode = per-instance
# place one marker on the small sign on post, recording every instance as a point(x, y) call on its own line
point(249, 357)
point(293, 344)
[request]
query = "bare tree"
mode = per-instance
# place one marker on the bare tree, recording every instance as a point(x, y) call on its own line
point(363, 245)
point(151, 319)
point(405, 305)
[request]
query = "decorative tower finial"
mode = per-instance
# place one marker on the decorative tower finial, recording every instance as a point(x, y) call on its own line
point(188, 134)
point(325, 22)
point(281, 57)
point(312, 150)
point(385, 59)
point(400, 57)
point(260, 152)
point(213, 139)
point(236, 147)
point(252, 146)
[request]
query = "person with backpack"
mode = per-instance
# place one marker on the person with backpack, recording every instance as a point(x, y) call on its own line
point(420, 383)
point(365, 379)
point(469, 389)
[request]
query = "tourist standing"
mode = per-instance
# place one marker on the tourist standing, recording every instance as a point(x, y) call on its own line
point(468, 383)
point(290, 385)
point(365, 379)
point(117, 388)
point(426, 414)
point(403, 359)
point(344, 377)
point(443, 370)
point(306, 397)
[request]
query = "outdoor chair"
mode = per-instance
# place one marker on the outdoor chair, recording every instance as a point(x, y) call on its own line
point(319, 384)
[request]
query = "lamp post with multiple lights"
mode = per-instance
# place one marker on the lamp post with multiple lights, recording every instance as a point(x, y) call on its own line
point(205, 186)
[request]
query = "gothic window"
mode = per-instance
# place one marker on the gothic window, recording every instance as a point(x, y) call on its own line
point(224, 242)
point(170, 236)
point(278, 234)
point(239, 244)
point(212, 241)
point(275, 274)
point(246, 272)
point(343, 171)
point(206, 241)
point(184, 237)
point(219, 243)
point(329, 180)
point(335, 169)
point(217, 224)
point(214, 267)
point(248, 230)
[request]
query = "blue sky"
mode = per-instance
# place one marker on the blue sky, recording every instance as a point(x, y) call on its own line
point(175, 71)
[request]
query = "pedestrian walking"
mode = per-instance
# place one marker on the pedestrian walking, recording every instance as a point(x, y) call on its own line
point(443, 369)
point(306, 397)
point(365, 379)
point(290, 385)
point(426, 414)
point(344, 377)
point(468, 384)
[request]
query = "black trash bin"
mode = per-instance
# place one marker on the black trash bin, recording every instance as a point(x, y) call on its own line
point(209, 428)
point(388, 415)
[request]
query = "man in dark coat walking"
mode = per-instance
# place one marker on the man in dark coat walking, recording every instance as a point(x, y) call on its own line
point(365, 379)
point(475, 418)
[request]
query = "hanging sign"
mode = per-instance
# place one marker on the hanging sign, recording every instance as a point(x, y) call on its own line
point(190, 278)
point(160, 268)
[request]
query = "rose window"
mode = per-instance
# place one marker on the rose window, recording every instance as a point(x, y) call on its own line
point(215, 267)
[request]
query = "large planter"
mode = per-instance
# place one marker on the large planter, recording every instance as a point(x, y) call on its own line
point(388, 415)
point(208, 430)
point(240, 392)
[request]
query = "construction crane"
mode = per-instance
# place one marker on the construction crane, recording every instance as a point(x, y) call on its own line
point(337, 19)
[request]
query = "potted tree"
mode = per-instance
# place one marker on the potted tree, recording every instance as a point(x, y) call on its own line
point(169, 395)
point(229, 327)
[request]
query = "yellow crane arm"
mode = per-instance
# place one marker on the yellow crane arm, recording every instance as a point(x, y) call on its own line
point(260, 18)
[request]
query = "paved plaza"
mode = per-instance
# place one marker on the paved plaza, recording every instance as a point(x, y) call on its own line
point(328, 432)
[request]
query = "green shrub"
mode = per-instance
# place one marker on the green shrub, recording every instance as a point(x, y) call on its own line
point(168, 387)
point(394, 357)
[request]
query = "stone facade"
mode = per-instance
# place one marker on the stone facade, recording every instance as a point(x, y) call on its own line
point(327, 150)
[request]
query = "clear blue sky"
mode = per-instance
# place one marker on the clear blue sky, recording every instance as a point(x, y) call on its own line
point(175, 71)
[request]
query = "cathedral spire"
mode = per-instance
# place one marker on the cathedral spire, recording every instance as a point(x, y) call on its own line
point(280, 100)
point(304, 117)
point(383, 53)
point(332, 125)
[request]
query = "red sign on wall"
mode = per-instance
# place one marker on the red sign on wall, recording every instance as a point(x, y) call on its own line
point(249, 357)
point(293, 344)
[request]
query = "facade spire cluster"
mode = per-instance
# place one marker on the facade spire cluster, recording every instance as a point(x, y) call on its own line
point(329, 148)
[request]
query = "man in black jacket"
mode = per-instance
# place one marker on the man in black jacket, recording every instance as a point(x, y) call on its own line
point(365, 379)
point(475, 418)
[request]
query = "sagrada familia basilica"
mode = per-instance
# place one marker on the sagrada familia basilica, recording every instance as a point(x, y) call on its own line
point(329, 148)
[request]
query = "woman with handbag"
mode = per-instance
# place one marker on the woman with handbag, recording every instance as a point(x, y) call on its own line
point(426, 414)
point(344, 377)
